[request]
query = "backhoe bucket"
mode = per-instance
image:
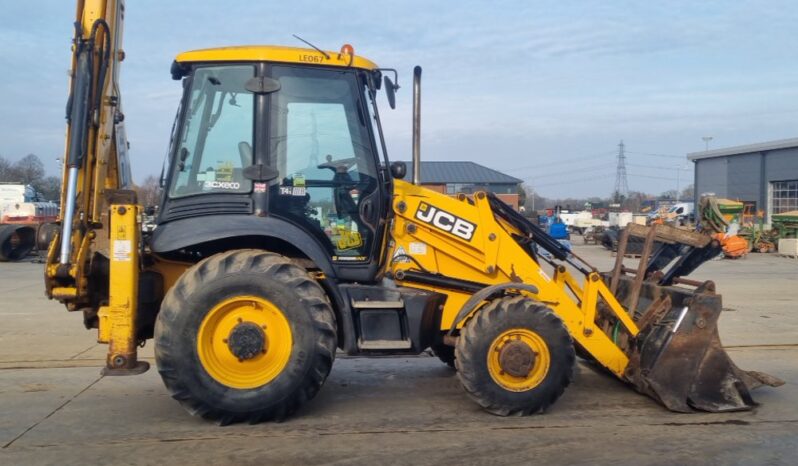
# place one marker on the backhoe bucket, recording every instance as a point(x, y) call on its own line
point(677, 358)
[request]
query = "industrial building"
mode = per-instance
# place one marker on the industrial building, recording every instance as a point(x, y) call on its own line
point(764, 175)
point(468, 177)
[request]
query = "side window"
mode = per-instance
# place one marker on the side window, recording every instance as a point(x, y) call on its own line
point(183, 160)
point(223, 159)
point(317, 133)
point(215, 142)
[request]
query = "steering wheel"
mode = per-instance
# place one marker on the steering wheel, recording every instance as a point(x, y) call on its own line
point(340, 166)
point(342, 198)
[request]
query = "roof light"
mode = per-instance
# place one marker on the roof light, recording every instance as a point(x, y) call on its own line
point(348, 50)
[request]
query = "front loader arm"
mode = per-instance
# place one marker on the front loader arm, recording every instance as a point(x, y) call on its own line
point(464, 240)
point(662, 340)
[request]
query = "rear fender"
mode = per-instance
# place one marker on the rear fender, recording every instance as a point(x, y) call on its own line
point(226, 231)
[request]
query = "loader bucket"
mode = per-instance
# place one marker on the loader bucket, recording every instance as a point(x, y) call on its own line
point(677, 358)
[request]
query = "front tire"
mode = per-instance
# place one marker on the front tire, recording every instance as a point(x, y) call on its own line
point(515, 357)
point(245, 335)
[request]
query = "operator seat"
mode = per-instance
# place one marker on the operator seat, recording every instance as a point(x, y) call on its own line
point(245, 152)
point(344, 204)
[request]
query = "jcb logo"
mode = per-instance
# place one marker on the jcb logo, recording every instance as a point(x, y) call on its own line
point(445, 221)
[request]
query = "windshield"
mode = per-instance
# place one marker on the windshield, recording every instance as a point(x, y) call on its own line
point(216, 134)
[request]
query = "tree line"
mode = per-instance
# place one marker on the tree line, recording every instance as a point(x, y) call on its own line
point(632, 202)
point(30, 170)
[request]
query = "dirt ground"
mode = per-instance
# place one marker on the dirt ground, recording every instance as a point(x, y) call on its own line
point(55, 408)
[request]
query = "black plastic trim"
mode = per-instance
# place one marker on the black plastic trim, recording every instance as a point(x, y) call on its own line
point(419, 318)
point(441, 281)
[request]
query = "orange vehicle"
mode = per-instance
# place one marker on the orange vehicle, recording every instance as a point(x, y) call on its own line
point(734, 246)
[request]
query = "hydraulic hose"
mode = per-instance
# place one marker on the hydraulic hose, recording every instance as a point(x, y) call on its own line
point(79, 112)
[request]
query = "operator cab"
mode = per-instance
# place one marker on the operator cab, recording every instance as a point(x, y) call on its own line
point(282, 145)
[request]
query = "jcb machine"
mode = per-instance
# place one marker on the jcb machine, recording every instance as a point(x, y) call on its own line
point(285, 235)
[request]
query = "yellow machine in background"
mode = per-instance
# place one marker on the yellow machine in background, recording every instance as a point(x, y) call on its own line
point(284, 234)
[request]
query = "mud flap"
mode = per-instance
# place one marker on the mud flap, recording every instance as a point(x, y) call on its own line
point(678, 359)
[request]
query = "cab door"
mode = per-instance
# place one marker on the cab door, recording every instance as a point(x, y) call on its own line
point(320, 142)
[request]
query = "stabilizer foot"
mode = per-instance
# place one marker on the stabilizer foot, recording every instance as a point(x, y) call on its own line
point(140, 368)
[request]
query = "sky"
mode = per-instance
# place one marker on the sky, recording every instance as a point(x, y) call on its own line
point(541, 90)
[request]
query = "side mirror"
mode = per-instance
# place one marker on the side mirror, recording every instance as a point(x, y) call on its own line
point(262, 85)
point(398, 170)
point(390, 92)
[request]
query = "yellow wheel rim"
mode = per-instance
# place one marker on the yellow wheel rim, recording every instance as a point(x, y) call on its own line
point(533, 353)
point(252, 371)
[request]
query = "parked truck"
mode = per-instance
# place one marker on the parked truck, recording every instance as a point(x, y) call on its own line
point(680, 213)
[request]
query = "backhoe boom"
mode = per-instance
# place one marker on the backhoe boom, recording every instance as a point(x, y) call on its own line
point(95, 163)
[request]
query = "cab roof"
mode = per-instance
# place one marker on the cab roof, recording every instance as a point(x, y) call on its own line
point(275, 53)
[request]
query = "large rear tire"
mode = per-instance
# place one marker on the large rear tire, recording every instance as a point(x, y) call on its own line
point(515, 357)
point(245, 335)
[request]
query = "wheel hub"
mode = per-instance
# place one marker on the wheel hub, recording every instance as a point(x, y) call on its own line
point(247, 340)
point(517, 358)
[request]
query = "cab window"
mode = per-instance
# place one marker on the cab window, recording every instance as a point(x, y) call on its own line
point(321, 147)
point(216, 133)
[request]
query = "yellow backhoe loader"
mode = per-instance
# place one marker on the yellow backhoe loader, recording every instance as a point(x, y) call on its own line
point(285, 235)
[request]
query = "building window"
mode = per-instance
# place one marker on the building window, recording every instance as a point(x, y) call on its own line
point(471, 188)
point(456, 188)
point(504, 189)
point(783, 196)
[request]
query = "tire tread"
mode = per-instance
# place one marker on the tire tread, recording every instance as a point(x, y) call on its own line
point(246, 261)
point(477, 383)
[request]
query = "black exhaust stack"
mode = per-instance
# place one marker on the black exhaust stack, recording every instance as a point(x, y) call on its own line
point(417, 125)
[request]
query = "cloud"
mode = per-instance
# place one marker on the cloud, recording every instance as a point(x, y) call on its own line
point(506, 83)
